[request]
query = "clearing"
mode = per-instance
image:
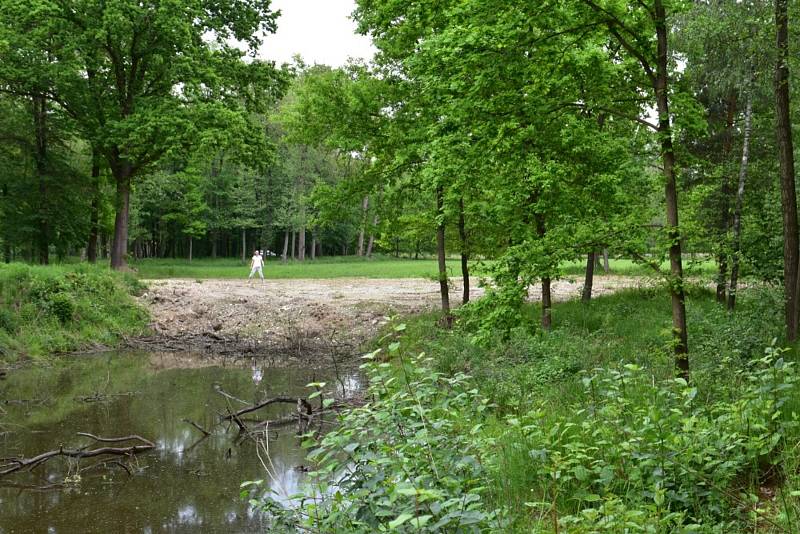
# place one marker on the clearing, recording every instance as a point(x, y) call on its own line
point(296, 320)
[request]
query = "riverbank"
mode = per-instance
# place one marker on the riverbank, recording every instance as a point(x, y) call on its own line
point(54, 309)
point(582, 429)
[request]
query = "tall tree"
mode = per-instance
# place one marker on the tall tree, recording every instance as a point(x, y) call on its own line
point(783, 131)
point(142, 80)
point(636, 29)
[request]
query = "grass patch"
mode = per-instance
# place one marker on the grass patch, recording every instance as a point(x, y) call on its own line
point(52, 309)
point(692, 266)
point(359, 267)
point(322, 268)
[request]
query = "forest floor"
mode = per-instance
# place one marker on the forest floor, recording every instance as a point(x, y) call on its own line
point(302, 321)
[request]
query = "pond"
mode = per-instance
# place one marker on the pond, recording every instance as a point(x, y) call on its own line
point(188, 483)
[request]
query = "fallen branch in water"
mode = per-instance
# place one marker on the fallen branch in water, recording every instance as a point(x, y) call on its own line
point(228, 395)
point(18, 464)
point(103, 397)
point(198, 427)
point(262, 404)
point(106, 463)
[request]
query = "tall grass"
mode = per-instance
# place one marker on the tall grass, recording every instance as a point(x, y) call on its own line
point(45, 310)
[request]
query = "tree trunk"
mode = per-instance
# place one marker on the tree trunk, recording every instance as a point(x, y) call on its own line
point(679, 332)
point(586, 296)
point(371, 243)
point(119, 247)
point(606, 268)
point(285, 245)
point(462, 235)
point(40, 130)
point(190, 249)
point(313, 245)
point(94, 217)
point(214, 239)
point(547, 301)
point(244, 245)
point(725, 209)
point(442, 259)
point(783, 130)
point(301, 244)
point(6, 243)
point(294, 241)
point(364, 209)
point(547, 305)
point(737, 214)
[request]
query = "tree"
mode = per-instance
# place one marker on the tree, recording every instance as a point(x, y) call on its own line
point(141, 81)
point(641, 32)
point(783, 132)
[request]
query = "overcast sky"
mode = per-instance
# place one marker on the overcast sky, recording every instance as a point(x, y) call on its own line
point(319, 30)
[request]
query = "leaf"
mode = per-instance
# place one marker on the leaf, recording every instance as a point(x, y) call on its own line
point(399, 520)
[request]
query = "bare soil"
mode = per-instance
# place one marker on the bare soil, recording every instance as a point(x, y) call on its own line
point(293, 321)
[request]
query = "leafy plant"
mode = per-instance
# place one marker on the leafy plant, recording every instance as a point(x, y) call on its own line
point(410, 460)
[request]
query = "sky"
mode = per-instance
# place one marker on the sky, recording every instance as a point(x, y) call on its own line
point(319, 30)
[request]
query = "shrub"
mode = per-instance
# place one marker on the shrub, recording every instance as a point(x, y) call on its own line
point(8, 321)
point(62, 306)
point(408, 461)
point(634, 451)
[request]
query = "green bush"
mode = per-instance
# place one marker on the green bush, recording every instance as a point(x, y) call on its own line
point(652, 450)
point(630, 453)
point(62, 306)
point(8, 321)
point(408, 461)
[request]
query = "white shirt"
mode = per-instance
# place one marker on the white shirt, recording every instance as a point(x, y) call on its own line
point(258, 261)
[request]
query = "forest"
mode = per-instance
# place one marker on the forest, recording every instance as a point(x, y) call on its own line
point(507, 146)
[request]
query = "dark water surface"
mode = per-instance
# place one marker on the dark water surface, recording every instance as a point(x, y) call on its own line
point(185, 485)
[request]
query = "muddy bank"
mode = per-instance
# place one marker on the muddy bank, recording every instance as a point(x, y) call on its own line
point(299, 321)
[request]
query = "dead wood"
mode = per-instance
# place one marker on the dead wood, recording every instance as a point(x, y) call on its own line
point(106, 463)
point(262, 404)
point(18, 464)
point(198, 427)
point(32, 487)
point(222, 392)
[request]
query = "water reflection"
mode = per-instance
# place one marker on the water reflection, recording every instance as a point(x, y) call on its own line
point(189, 483)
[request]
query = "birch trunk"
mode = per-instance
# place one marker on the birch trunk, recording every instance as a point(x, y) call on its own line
point(737, 214)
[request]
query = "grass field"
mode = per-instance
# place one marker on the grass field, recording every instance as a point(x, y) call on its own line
point(352, 266)
point(334, 267)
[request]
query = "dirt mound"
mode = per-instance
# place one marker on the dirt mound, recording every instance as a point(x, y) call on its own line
point(291, 320)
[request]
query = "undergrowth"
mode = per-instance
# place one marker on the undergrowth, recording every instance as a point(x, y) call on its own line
point(582, 429)
point(46, 310)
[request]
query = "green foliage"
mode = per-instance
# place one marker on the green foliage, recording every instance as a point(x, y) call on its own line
point(62, 306)
point(407, 461)
point(667, 456)
point(60, 309)
point(595, 447)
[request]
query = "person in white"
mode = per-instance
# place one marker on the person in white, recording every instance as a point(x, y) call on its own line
point(256, 264)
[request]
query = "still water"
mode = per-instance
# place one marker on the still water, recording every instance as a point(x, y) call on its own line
point(187, 484)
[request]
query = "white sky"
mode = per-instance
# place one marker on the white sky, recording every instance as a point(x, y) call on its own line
point(319, 30)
